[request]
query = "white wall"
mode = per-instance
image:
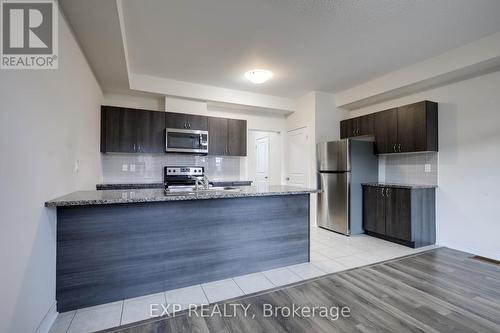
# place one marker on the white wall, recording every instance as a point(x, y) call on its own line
point(257, 121)
point(136, 101)
point(469, 160)
point(318, 112)
point(48, 120)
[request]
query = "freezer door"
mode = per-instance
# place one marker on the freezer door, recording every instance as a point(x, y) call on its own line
point(333, 156)
point(333, 202)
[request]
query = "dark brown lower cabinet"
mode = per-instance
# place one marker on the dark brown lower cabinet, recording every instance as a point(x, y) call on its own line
point(375, 220)
point(403, 215)
point(398, 213)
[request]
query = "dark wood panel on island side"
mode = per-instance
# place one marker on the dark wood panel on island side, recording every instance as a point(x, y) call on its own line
point(107, 253)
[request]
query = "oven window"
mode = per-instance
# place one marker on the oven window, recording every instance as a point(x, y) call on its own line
point(183, 140)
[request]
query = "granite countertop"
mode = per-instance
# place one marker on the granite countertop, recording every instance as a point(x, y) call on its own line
point(133, 186)
point(85, 198)
point(410, 186)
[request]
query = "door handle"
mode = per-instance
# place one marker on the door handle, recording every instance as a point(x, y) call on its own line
point(287, 178)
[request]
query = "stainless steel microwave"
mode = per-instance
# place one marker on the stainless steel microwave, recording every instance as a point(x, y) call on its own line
point(179, 140)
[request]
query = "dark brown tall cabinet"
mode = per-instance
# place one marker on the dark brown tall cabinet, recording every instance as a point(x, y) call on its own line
point(227, 137)
point(405, 215)
point(125, 130)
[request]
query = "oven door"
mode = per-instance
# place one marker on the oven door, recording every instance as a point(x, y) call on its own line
point(186, 141)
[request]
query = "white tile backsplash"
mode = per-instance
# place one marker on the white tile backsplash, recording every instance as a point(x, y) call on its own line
point(149, 167)
point(409, 168)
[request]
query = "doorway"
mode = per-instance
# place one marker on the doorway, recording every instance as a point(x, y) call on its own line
point(265, 158)
point(298, 157)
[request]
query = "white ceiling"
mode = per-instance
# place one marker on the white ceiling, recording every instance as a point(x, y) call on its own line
point(309, 44)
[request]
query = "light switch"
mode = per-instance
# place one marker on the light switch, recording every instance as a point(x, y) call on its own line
point(428, 168)
point(124, 167)
point(132, 167)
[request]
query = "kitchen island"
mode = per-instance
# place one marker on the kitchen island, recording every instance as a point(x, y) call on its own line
point(118, 244)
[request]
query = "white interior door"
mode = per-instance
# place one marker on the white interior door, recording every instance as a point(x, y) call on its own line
point(262, 161)
point(298, 155)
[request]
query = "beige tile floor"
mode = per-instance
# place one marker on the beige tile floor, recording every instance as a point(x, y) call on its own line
point(330, 252)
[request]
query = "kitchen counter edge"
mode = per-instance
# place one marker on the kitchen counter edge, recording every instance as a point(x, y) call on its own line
point(107, 197)
point(395, 185)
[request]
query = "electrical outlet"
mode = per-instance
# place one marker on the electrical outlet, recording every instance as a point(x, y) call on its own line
point(427, 168)
point(132, 167)
point(124, 167)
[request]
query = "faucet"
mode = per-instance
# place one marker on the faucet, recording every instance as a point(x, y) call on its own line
point(204, 182)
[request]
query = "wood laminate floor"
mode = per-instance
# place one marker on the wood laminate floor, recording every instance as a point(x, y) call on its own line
point(441, 290)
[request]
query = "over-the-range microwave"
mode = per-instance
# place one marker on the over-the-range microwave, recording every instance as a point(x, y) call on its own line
point(178, 140)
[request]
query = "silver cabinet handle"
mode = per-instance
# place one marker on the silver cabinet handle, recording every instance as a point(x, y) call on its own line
point(135, 148)
point(395, 148)
point(399, 147)
point(387, 192)
point(383, 191)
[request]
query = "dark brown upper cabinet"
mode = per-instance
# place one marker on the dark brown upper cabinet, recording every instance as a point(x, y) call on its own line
point(237, 137)
point(386, 131)
point(227, 137)
point(359, 126)
point(418, 127)
point(408, 128)
point(217, 136)
point(186, 121)
point(125, 130)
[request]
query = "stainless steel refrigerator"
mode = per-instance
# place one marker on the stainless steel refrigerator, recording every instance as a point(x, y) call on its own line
point(342, 166)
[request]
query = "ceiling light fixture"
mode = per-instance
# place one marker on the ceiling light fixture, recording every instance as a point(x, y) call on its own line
point(258, 76)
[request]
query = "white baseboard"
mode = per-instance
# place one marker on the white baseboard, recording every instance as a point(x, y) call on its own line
point(48, 320)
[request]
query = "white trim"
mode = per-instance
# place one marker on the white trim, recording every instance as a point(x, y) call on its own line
point(48, 320)
point(474, 58)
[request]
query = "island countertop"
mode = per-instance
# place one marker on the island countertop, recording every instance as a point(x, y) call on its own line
point(101, 197)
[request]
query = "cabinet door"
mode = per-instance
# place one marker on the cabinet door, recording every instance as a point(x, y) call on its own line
point(176, 120)
point(118, 130)
point(217, 136)
point(237, 137)
point(412, 128)
point(398, 214)
point(386, 131)
point(196, 122)
point(374, 209)
point(365, 125)
point(343, 129)
point(150, 127)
